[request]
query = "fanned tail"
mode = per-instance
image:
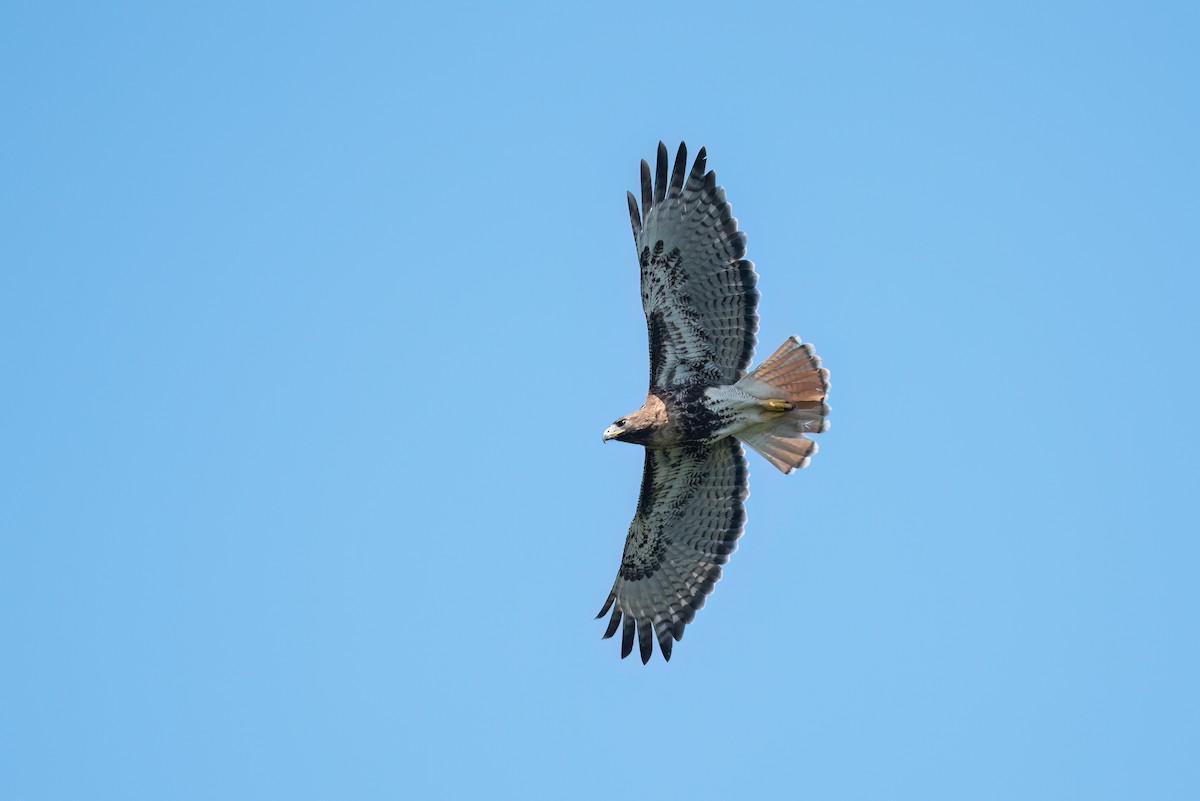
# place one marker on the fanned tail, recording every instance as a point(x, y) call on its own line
point(794, 374)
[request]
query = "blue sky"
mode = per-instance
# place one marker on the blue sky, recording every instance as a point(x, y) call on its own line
point(311, 318)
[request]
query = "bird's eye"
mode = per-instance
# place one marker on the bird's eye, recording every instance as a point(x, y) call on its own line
point(621, 422)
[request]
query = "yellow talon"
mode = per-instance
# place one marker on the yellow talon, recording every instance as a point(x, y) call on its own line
point(774, 405)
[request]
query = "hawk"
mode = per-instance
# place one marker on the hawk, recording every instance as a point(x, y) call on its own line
point(701, 304)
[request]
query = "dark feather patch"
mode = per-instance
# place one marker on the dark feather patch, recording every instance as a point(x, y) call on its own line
point(689, 408)
point(656, 334)
point(663, 630)
point(635, 216)
point(665, 646)
point(645, 640)
point(696, 177)
point(627, 637)
point(647, 190)
point(678, 171)
point(660, 175)
point(613, 622)
point(647, 495)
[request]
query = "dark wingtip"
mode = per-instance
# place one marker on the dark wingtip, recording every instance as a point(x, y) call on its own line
point(607, 605)
point(664, 641)
point(678, 171)
point(660, 173)
point(695, 181)
point(612, 624)
point(647, 188)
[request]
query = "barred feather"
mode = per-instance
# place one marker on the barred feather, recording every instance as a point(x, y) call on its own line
point(697, 290)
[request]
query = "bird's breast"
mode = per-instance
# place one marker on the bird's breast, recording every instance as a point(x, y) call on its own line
point(692, 415)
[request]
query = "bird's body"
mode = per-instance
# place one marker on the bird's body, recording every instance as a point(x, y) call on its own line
point(697, 414)
point(701, 317)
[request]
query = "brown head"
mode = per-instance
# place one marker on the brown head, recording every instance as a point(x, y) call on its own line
point(640, 426)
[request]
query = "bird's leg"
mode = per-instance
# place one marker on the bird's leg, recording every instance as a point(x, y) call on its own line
point(774, 405)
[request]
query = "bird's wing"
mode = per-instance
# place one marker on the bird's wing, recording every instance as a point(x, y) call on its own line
point(697, 290)
point(689, 517)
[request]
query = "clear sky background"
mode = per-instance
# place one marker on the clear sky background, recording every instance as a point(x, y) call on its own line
point(311, 318)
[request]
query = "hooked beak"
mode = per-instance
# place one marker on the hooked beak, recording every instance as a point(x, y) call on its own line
point(612, 432)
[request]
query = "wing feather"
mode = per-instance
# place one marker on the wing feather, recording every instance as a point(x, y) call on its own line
point(660, 175)
point(627, 636)
point(676, 189)
point(698, 291)
point(690, 514)
point(645, 640)
point(613, 622)
point(647, 187)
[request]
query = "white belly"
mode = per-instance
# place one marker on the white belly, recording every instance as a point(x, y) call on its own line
point(747, 412)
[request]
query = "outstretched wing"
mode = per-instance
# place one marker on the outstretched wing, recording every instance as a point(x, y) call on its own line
point(689, 517)
point(697, 290)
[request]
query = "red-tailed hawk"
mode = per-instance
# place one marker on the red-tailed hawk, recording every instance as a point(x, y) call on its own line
point(701, 316)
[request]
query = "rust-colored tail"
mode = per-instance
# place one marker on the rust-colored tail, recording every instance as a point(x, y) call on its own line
point(792, 373)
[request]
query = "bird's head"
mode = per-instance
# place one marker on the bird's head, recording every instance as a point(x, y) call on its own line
point(617, 430)
point(637, 427)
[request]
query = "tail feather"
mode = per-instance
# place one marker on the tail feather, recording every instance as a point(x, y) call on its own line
point(792, 373)
point(786, 453)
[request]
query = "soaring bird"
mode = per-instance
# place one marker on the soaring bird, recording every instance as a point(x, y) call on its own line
point(698, 292)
